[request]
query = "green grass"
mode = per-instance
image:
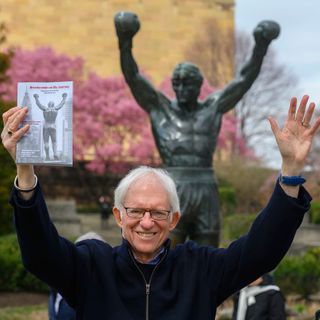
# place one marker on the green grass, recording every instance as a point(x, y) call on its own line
point(38, 312)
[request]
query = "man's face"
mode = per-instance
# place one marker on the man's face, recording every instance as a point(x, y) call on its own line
point(186, 87)
point(146, 235)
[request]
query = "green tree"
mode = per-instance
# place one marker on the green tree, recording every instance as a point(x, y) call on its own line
point(7, 171)
point(7, 174)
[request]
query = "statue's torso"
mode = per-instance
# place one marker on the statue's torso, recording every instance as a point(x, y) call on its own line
point(50, 115)
point(186, 139)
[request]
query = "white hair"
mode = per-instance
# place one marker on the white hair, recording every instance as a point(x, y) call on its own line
point(135, 174)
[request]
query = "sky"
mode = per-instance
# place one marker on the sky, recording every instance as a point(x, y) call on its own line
point(298, 46)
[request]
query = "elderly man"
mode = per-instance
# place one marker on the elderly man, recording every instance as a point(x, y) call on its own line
point(143, 278)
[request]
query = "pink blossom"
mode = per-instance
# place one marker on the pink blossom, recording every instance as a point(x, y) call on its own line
point(111, 132)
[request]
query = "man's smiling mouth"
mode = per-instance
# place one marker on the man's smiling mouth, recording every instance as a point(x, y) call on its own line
point(146, 235)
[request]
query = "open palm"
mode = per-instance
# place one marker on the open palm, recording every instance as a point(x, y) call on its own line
point(295, 138)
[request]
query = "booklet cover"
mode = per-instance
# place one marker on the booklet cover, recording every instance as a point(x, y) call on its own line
point(49, 139)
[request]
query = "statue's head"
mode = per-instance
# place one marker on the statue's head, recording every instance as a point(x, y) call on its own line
point(186, 82)
point(51, 104)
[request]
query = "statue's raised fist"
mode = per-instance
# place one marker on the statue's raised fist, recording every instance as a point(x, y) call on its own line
point(36, 95)
point(127, 24)
point(267, 30)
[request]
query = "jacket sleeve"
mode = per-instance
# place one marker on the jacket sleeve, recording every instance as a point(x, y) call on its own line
point(51, 258)
point(266, 243)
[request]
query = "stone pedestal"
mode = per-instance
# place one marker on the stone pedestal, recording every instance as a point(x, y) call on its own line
point(64, 216)
point(308, 235)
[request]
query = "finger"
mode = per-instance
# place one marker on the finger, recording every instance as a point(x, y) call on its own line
point(274, 126)
point(315, 127)
point(16, 136)
point(15, 119)
point(292, 109)
point(7, 114)
point(302, 108)
point(10, 142)
point(308, 115)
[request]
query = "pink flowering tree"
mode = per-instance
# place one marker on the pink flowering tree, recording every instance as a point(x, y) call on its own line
point(42, 64)
point(111, 132)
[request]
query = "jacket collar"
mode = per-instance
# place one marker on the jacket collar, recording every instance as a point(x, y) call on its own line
point(126, 250)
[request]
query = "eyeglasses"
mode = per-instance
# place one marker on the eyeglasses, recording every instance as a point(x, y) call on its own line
point(138, 213)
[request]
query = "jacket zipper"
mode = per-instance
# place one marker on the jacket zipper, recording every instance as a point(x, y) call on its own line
point(147, 299)
point(148, 285)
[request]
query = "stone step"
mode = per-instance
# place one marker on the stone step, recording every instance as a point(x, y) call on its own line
point(109, 230)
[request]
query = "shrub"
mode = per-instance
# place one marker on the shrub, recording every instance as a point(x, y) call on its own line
point(247, 179)
point(315, 212)
point(300, 274)
point(8, 168)
point(227, 198)
point(14, 276)
point(236, 225)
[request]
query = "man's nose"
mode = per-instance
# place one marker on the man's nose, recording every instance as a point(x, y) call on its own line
point(146, 221)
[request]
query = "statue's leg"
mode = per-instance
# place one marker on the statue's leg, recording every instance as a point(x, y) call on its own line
point(183, 229)
point(53, 135)
point(207, 218)
point(46, 142)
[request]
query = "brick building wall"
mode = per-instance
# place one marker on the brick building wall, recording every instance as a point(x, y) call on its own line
point(85, 28)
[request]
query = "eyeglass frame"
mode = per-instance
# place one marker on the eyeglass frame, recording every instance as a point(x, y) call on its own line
point(151, 211)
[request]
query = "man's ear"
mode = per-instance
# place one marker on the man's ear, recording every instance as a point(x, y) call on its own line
point(117, 216)
point(175, 219)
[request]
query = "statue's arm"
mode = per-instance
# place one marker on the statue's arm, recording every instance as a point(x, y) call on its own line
point(61, 104)
point(127, 25)
point(142, 90)
point(264, 33)
point(40, 106)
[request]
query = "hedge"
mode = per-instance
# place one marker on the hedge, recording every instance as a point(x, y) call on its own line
point(227, 199)
point(14, 276)
point(236, 225)
point(300, 274)
point(315, 212)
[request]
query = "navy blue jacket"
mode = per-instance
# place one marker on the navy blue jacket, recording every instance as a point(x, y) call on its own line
point(64, 312)
point(189, 282)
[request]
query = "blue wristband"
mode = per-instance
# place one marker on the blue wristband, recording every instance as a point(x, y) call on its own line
point(291, 180)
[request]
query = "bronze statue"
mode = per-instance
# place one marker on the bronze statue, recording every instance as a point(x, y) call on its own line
point(50, 113)
point(186, 130)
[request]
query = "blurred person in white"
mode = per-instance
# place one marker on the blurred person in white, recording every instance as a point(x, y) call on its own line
point(260, 300)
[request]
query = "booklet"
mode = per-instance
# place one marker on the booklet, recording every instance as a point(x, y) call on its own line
point(49, 139)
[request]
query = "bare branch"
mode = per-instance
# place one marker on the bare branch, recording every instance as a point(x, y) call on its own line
point(214, 49)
